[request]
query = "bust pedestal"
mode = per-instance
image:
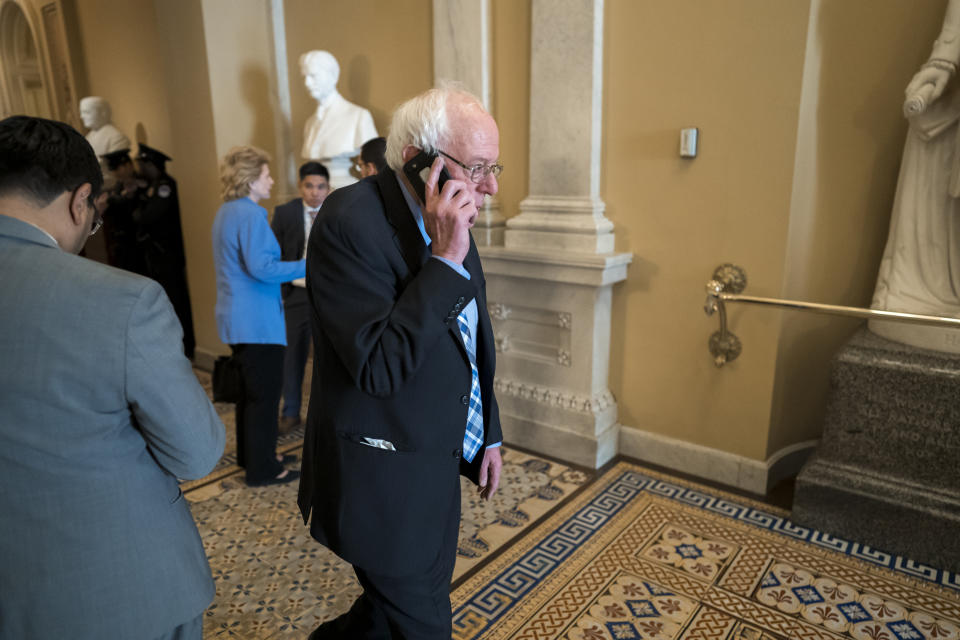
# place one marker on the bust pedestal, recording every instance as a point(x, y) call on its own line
point(339, 169)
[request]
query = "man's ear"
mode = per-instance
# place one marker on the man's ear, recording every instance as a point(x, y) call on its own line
point(409, 153)
point(79, 204)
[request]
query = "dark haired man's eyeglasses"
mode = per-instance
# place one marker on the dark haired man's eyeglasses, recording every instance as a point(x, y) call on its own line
point(478, 172)
point(97, 216)
point(97, 223)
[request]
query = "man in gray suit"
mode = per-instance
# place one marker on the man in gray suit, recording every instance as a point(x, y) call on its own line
point(101, 413)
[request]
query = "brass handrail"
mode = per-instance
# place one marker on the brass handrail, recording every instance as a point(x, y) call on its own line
point(729, 280)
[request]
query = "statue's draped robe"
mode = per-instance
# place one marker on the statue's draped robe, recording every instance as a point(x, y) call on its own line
point(920, 270)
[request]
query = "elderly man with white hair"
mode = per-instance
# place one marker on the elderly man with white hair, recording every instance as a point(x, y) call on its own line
point(403, 401)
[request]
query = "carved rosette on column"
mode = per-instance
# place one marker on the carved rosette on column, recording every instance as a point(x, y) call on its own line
point(549, 286)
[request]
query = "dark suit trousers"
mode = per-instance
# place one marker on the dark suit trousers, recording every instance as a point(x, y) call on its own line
point(261, 366)
point(413, 607)
point(296, 311)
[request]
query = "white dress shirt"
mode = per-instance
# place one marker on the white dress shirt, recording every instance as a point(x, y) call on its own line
point(309, 215)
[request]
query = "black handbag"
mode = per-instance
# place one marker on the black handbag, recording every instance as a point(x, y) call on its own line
point(227, 380)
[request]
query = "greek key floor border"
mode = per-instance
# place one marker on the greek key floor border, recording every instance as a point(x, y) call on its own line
point(523, 571)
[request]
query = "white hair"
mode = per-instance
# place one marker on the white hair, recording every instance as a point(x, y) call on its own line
point(423, 121)
point(324, 59)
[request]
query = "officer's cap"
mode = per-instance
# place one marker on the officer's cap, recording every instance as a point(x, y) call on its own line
point(150, 154)
point(116, 158)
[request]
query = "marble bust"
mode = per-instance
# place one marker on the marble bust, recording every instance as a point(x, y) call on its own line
point(334, 133)
point(103, 136)
point(920, 269)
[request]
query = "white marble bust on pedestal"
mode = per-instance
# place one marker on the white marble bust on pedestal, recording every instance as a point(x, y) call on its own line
point(334, 133)
point(920, 270)
point(103, 136)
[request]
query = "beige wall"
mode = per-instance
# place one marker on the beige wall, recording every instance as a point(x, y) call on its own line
point(149, 60)
point(731, 68)
point(241, 70)
point(119, 43)
point(511, 98)
point(194, 151)
point(798, 197)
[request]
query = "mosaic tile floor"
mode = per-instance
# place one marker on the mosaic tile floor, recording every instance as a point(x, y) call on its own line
point(286, 443)
point(274, 581)
point(636, 555)
point(639, 555)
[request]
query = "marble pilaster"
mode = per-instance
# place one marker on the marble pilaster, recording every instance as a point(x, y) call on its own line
point(461, 53)
point(549, 288)
point(564, 209)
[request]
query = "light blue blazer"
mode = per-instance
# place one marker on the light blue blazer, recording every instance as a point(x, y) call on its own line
point(249, 273)
point(100, 412)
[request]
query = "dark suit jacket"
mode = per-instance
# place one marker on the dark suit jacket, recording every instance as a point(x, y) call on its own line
point(287, 225)
point(389, 363)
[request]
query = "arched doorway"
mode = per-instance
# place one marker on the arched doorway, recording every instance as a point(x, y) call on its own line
point(23, 86)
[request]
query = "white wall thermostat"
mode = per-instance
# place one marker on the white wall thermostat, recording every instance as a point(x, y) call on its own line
point(688, 142)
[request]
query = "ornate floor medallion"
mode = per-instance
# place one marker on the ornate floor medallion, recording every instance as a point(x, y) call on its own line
point(643, 556)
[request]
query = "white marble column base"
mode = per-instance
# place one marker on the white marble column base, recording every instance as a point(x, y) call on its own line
point(551, 322)
point(489, 227)
point(558, 241)
point(561, 223)
point(557, 442)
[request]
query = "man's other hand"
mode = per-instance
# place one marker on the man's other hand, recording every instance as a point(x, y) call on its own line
point(490, 472)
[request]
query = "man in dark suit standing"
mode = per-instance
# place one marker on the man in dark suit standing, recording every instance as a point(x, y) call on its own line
point(404, 355)
point(291, 224)
point(373, 157)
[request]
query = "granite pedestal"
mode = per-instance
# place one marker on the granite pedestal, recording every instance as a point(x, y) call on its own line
point(887, 471)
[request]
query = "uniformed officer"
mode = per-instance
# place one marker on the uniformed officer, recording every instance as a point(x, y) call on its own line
point(123, 198)
point(160, 237)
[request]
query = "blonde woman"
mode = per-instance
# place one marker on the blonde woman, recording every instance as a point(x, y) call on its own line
point(250, 310)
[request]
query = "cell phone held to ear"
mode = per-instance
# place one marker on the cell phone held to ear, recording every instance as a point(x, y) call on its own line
point(417, 171)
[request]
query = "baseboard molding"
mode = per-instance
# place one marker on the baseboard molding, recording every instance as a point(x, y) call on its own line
point(204, 359)
point(747, 474)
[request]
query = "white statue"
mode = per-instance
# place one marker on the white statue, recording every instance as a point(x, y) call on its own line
point(335, 132)
point(103, 136)
point(920, 270)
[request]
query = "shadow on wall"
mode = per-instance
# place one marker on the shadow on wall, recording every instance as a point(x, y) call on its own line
point(140, 135)
point(859, 139)
point(871, 108)
point(255, 89)
point(356, 81)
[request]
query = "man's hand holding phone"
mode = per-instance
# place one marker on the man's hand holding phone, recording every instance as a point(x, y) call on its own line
point(448, 214)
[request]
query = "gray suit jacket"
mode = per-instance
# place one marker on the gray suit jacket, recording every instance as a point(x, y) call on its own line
point(100, 412)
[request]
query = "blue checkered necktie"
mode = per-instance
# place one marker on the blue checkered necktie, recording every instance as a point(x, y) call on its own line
point(473, 436)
